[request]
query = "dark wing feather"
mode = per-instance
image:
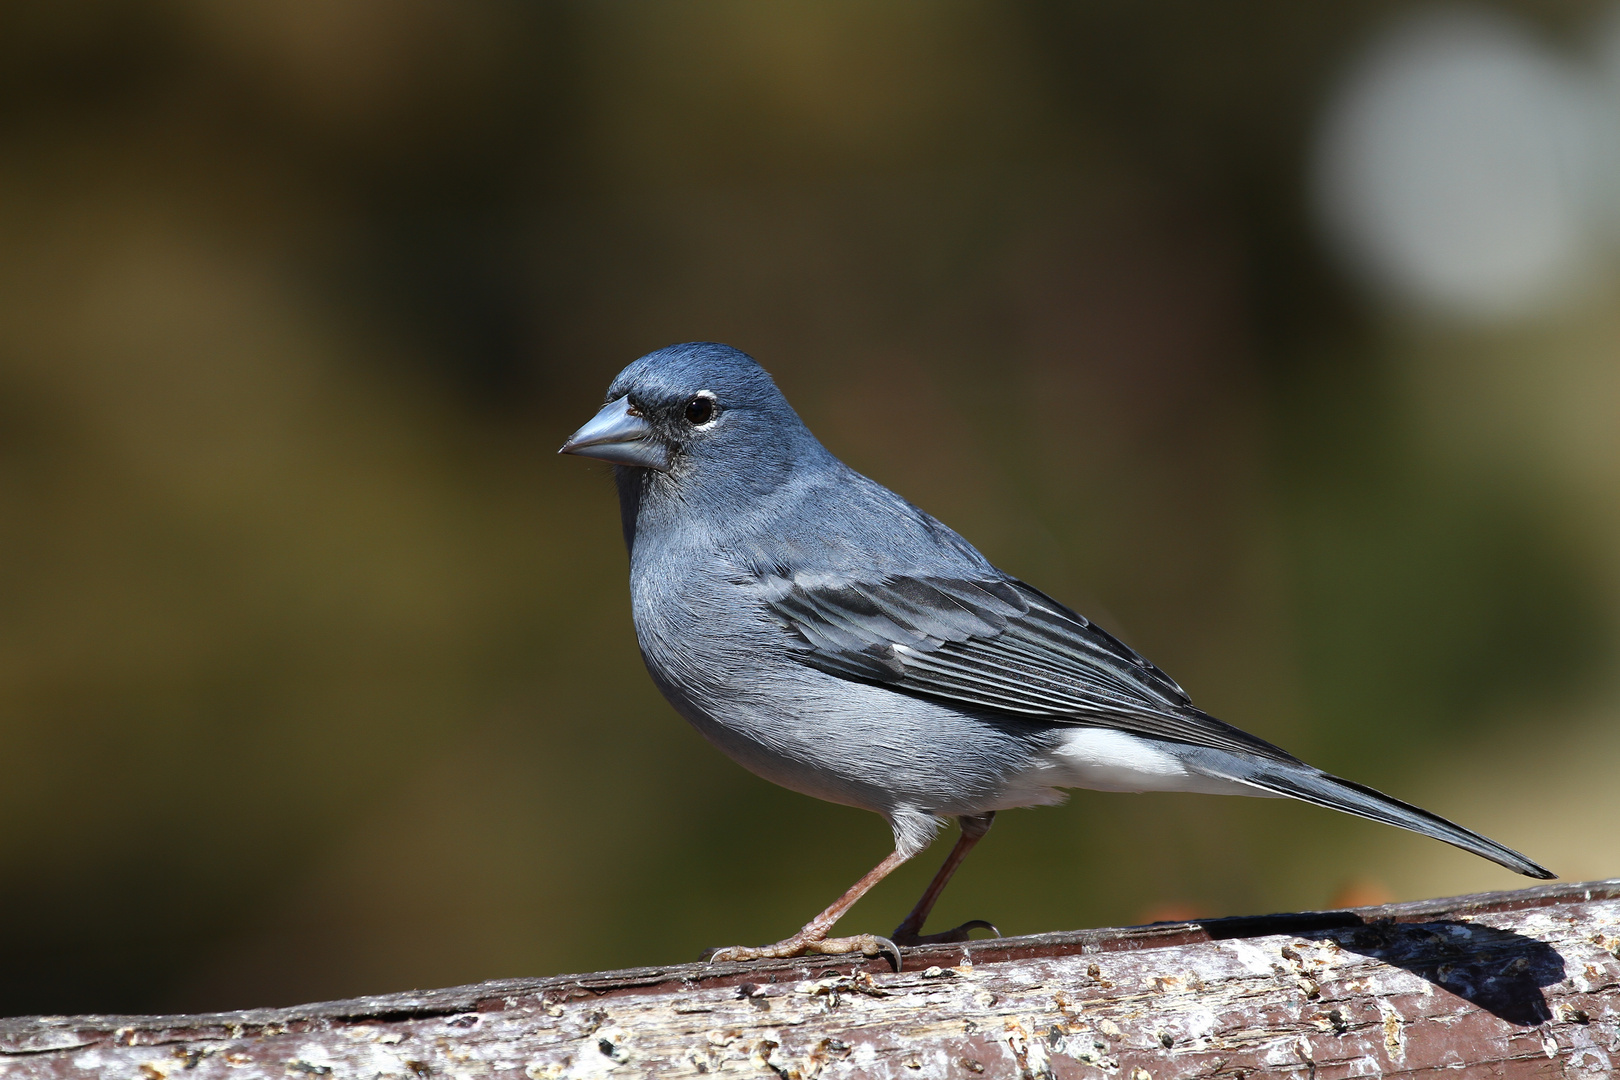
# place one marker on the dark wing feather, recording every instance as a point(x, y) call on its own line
point(992, 644)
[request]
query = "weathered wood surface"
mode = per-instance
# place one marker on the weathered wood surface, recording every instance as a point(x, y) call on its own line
point(1501, 985)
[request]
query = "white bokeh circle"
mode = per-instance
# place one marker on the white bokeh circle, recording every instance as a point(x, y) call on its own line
point(1457, 167)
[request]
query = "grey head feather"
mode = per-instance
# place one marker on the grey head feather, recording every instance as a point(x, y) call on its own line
point(752, 446)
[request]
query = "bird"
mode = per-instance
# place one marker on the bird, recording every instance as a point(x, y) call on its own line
point(835, 639)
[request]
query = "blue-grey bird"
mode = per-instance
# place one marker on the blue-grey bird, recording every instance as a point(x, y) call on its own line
point(833, 638)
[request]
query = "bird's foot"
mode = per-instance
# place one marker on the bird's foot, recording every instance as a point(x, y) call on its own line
point(802, 944)
point(908, 936)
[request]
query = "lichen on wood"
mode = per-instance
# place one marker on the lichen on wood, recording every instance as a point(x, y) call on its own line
point(1505, 985)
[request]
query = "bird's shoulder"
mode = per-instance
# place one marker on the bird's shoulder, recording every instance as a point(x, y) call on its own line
point(836, 523)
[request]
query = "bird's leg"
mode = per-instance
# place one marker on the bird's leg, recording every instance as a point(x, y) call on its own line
point(813, 937)
point(910, 932)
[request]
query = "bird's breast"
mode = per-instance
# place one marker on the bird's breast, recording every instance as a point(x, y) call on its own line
point(701, 631)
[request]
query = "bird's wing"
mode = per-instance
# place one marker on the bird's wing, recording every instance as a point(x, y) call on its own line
point(994, 644)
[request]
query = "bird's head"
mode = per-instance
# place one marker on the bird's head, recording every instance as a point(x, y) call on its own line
point(701, 421)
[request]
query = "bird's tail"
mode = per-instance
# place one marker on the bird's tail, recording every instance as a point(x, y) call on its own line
point(1314, 786)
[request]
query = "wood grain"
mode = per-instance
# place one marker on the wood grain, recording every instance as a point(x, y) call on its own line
point(1516, 984)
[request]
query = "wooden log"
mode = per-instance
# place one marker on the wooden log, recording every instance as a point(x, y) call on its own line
point(1514, 984)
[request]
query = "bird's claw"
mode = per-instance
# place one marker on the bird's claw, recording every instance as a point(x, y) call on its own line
point(911, 939)
point(886, 949)
point(865, 944)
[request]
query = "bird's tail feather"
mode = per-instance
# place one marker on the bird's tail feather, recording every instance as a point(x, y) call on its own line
point(1315, 786)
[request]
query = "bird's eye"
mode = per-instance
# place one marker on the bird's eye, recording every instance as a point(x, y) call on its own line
point(700, 410)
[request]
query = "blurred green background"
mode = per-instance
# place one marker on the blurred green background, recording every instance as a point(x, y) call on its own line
point(316, 669)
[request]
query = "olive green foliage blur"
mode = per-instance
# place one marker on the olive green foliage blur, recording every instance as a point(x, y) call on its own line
point(316, 669)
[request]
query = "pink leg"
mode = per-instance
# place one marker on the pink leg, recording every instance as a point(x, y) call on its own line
point(813, 937)
point(910, 932)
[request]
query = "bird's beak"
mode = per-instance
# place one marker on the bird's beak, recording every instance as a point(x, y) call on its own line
point(620, 435)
